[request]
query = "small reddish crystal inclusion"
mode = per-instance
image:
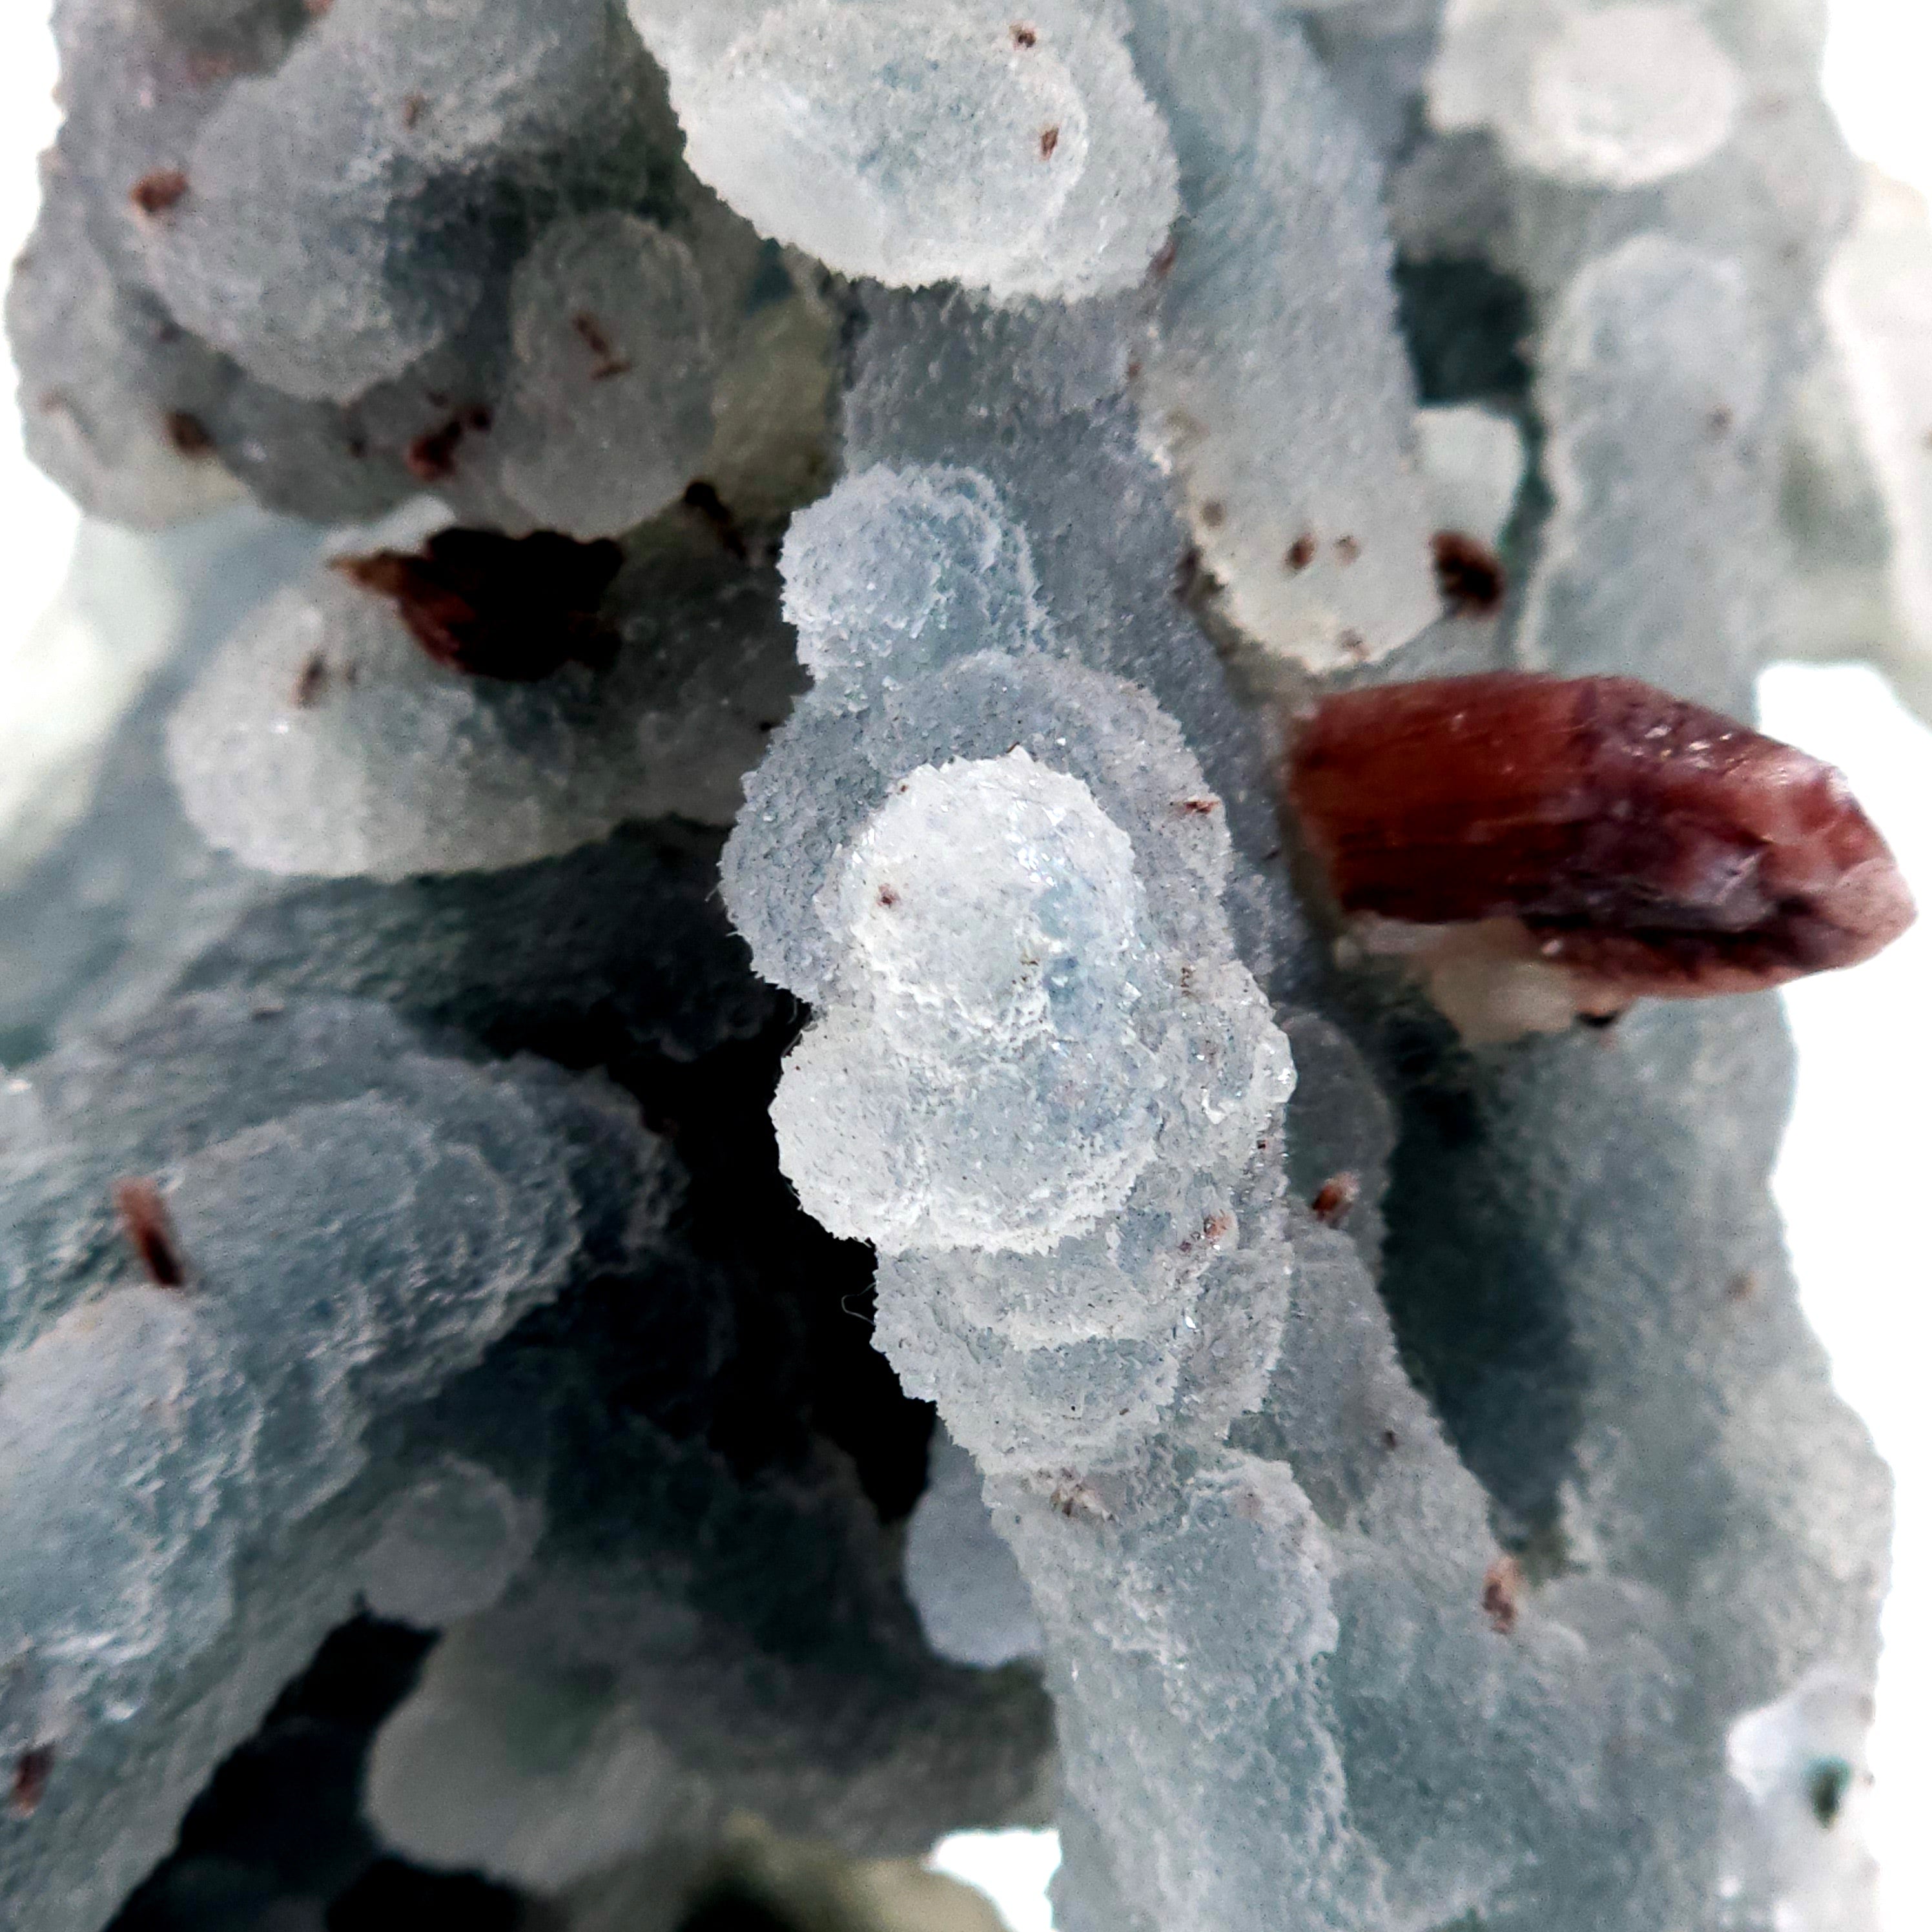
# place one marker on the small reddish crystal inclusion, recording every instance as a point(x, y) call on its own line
point(31, 1770)
point(150, 1230)
point(1644, 845)
point(1336, 1199)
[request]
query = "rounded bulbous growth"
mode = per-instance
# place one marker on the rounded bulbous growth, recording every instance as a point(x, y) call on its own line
point(977, 1082)
point(941, 142)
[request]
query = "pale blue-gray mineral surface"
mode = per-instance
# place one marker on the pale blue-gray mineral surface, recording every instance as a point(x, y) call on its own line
point(698, 1182)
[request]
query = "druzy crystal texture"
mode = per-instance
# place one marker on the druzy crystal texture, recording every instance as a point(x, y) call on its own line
point(846, 1002)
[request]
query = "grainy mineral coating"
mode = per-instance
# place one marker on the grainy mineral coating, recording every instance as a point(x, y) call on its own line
point(711, 1164)
point(945, 142)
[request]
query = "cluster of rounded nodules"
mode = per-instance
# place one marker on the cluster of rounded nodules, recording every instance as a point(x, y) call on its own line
point(1022, 158)
point(349, 252)
point(521, 258)
point(323, 737)
point(1039, 1081)
point(239, 1235)
point(1037, 1072)
point(1037, 1068)
point(354, 251)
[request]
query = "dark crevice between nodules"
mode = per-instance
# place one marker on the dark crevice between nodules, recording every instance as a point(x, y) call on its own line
point(280, 1817)
point(791, 1357)
point(1464, 325)
point(516, 608)
point(730, 1909)
point(751, 1342)
point(1482, 1328)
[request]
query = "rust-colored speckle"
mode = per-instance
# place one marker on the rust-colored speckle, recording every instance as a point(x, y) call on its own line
point(1169, 253)
point(1049, 140)
point(187, 435)
point(1024, 37)
point(311, 682)
point(1214, 514)
point(606, 362)
point(1072, 1496)
point(1198, 808)
point(150, 1230)
point(31, 1770)
point(1502, 1592)
point(1637, 844)
point(158, 190)
point(1335, 1199)
point(414, 106)
point(1301, 552)
point(1468, 574)
point(518, 608)
point(1745, 1285)
point(887, 897)
point(432, 456)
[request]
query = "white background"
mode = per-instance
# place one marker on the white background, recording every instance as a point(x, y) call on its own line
point(1856, 1157)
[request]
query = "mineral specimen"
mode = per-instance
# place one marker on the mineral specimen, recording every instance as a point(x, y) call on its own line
point(697, 1183)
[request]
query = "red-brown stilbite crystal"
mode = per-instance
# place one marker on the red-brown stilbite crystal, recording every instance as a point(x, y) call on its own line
point(1633, 844)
